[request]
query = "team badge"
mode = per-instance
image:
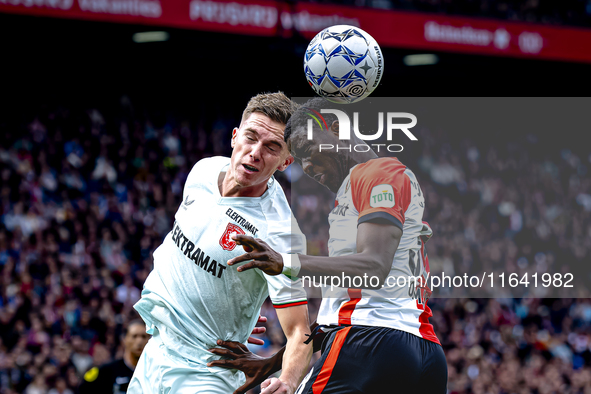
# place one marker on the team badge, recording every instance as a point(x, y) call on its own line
point(226, 242)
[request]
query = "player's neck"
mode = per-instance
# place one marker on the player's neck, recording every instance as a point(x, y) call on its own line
point(130, 360)
point(230, 188)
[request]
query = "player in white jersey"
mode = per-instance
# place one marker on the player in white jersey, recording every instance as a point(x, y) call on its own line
point(190, 299)
point(380, 338)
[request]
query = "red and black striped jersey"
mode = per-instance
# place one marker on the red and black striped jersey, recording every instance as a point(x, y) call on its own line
point(382, 189)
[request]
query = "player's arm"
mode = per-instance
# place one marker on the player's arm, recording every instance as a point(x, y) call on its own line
point(377, 242)
point(293, 359)
point(381, 193)
point(376, 246)
point(297, 355)
point(255, 368)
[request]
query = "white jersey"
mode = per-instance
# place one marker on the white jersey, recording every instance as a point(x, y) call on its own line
point(381, 189)
point(192, 297)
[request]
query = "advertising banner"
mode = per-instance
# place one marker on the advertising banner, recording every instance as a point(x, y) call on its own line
point(390, 28)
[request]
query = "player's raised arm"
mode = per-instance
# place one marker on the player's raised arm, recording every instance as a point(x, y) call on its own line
point(294, 321)
point(377, 225)
point(376, 245)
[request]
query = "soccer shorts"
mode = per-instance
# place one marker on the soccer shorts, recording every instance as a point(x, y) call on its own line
point(371, 360)
point(160, 372)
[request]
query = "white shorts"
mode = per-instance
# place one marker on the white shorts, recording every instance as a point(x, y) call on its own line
point(160, 372)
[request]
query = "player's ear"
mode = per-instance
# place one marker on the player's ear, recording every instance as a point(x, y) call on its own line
point(334, 127)
point(234, 134)
point(286, 163)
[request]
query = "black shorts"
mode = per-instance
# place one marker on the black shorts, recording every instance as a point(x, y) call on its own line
point(377, 360)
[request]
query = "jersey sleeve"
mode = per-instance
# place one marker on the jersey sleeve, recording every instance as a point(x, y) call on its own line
point(381, 190)
point(283, 291)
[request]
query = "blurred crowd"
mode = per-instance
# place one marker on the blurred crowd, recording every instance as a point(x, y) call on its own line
point(515, 345)
point(86, 195)
point(513, 203)
point(566, 12)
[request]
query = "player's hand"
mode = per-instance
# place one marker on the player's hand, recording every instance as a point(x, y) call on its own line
point(275, 386)
point(262, 256)
point(255, 368)
point(258, 330)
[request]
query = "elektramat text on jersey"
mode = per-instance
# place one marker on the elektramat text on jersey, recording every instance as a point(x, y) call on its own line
point(195, 253)
point(242, 221)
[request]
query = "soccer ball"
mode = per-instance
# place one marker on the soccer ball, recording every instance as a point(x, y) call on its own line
point(343, 64)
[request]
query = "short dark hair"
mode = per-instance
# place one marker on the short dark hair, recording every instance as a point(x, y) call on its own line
point(277, 106)
point(301, 115)
point(132, 323)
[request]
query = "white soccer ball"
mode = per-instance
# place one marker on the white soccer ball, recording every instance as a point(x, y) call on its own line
point(343, 64)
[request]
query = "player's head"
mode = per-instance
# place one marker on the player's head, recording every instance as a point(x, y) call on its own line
point(135, 338)
point(258, 147)
point(276, 106)
point(320, 156)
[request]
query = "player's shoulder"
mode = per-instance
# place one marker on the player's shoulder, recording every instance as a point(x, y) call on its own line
point(276, 200)
point(92, 374)
point(211, 163)
point(281, 223)
point(206, 169)
point(106, 374)
point(276, 209)
point(380, 169)
point(116, 367)
point(105, 371)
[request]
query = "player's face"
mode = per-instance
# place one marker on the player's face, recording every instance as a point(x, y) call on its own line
point(136, 339)
point(324, 166)
point(258, 151)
